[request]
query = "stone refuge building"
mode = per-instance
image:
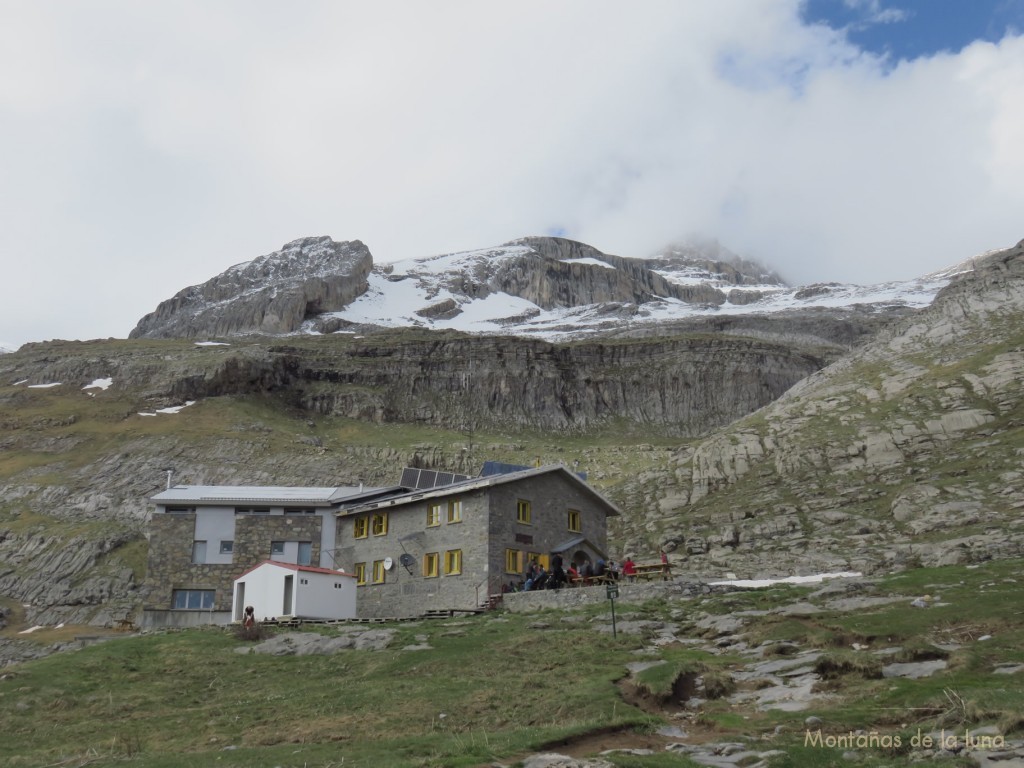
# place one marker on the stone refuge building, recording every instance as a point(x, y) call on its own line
point(436, 542)
point(203, 537)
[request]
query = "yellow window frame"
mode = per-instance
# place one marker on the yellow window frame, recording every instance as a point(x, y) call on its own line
point(523, 512)
point(575, 521)
point(361, 527)
point(433, 515)
point(431, 560)
point(360, 574)
point(513, 561)
point(379, 526)
point(453, 562)
point(455, 511)
point(378, 571)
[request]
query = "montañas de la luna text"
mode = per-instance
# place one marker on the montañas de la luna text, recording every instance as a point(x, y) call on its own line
point(874, 739)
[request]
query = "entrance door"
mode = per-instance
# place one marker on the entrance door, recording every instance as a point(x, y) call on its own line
point(239, 600)
point(289, 585)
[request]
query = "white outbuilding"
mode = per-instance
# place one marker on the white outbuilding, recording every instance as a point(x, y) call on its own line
point(278, 590)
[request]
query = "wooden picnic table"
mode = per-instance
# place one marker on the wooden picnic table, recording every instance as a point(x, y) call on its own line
point(648, 571)
point(579, 581)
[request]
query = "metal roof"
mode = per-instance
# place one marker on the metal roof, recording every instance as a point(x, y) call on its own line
point(476, 483)
point(257, 494)
point(295, 567)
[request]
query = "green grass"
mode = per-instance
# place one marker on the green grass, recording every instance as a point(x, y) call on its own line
point(496, 688)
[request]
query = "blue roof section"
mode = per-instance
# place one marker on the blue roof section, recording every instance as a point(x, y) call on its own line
point(492, 468)
point(501, 468)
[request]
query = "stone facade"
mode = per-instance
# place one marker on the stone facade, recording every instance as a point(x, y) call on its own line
point(489, 539)
point(444, 548)
point(170, 566)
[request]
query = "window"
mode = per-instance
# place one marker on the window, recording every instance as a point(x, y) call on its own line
point(227, 547)
point(360, 527)
point(513, 561)
point(380, 523)
point(252, 510)
point(300, 511)
point(378, 571)
point(455, 511)
point(574, 521)
point(433, 515)
point(541, 560)
point(453, 562)
point(277, 547)
point(430, 562)
point(360, 573)
point(523, 511)
point(305, 552)
point(198, 552)
point(180, 510)
point(193, 599)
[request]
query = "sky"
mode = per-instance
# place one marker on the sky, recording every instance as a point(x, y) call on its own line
point(146, 147)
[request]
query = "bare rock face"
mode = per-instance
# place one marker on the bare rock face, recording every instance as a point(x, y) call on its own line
point(554, 274)
point(273, 294)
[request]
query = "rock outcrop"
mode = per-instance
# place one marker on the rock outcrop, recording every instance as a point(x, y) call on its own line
point(273, 294)
point(904, 452)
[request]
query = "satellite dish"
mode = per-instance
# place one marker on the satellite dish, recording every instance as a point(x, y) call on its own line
point(406, 559)
point(388, 562)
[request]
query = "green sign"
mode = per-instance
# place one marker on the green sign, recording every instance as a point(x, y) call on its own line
point(613, 591)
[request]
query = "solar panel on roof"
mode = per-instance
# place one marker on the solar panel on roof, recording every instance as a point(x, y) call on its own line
point(421, 479)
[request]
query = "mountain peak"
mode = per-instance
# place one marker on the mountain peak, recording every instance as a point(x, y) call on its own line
point(272, 294)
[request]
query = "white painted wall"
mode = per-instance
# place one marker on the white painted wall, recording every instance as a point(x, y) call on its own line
point(325, 596)
point(318, 598)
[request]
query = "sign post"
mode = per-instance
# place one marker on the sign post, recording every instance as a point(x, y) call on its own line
point(613, 592)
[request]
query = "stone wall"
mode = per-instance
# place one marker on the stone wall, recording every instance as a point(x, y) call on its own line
point(170, 565)
point(406, 591)
point(550, 496)
point(629, 594)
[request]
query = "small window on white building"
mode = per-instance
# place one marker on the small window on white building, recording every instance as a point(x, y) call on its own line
point(198, 552)
point(277, 547)
point(227, 547)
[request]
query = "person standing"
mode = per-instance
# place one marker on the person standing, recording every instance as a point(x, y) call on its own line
point(629, 568)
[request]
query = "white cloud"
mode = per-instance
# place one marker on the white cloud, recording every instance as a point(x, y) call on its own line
point(147, 147)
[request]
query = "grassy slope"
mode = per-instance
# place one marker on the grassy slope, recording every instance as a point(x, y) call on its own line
point(506, 686)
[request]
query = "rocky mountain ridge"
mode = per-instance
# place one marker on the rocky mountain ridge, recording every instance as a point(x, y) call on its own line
point(548, 287)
